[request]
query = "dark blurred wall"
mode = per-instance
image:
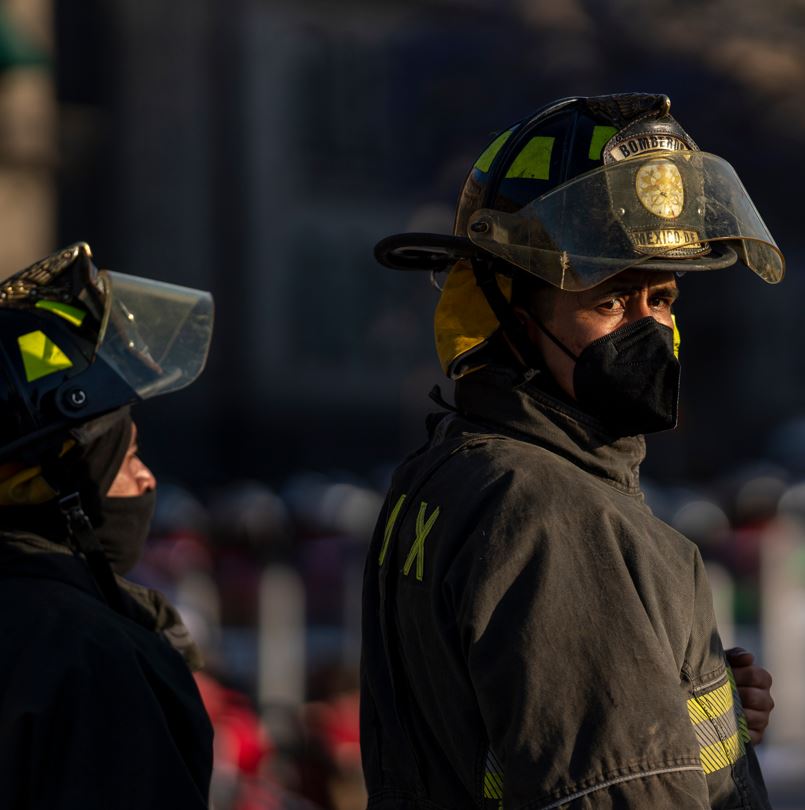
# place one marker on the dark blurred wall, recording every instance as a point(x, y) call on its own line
point(261, 148)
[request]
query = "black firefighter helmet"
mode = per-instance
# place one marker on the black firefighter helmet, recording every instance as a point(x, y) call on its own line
point(574, 194)
point(77, 342)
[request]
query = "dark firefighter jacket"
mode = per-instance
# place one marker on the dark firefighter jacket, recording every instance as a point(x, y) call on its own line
point(97, 711)
point(533, 636)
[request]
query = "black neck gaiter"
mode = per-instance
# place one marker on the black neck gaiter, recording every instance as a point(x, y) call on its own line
point(120, 524)
point(124, 529)
point(629, 379)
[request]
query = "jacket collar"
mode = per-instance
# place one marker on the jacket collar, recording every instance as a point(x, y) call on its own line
point(23, 554)
point(530, 410)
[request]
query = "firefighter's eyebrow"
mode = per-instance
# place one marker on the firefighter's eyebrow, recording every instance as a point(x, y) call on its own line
point(663, 288)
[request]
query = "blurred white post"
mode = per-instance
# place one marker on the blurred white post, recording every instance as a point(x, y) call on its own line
point(723, 588)
point(199, 603)
point(281, 639)
point(783, 595)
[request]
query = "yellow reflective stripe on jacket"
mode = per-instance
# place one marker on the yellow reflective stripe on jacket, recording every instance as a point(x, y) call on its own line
point(722, 754)
point(718, 727)
point(711, 704)
point(395, 513)
point(743, 726)
point(493, 782)
point(417, 551)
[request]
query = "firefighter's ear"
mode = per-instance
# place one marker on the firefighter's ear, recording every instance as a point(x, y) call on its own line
point(527, 321)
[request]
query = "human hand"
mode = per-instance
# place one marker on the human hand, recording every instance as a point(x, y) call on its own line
point(754, 685)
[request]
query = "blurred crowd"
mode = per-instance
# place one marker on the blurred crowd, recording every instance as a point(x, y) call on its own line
point(269, 580)
point(269, 585)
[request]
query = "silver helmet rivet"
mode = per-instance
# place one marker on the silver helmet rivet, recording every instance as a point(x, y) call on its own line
point(76, 398)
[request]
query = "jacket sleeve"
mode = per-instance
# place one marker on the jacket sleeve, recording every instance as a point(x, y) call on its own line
point(714, 707)
point(99, 735)
point(577, 670)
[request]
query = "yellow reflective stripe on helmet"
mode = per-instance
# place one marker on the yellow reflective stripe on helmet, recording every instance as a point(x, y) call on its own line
point(488, 155)
point(72, 314)
point(41, 356)
point(601, 135)
point(534, 161)
point(677, 337)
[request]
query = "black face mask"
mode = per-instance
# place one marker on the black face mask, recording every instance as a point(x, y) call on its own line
point(124, 529)
point(629, 379)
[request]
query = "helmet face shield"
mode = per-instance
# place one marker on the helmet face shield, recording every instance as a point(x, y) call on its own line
point(676, 211)
point(76, 342)
point(156, 336)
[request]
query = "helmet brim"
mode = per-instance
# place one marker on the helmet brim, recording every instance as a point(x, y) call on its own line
point(431, 252)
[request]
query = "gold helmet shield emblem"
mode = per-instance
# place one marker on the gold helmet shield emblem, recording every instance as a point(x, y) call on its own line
point(660, 189)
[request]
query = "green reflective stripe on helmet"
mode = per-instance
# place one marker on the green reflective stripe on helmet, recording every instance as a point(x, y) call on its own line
point(485, 161)
point(601, 135)
point(72, 314)
point(41, 356)
point(534, 161)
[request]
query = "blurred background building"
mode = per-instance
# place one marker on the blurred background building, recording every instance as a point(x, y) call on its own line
point(259, 148)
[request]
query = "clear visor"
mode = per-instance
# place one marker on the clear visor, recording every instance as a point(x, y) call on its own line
point(668, 210)
point(155, 335)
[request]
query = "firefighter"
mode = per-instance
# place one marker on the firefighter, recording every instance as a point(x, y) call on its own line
point(98, 706)
point(533, 635)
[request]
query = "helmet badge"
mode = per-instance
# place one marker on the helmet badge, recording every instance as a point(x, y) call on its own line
point(659, 188)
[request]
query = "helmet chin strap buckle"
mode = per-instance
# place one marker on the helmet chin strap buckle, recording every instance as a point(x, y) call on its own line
point(79, 526)
point(82, 538)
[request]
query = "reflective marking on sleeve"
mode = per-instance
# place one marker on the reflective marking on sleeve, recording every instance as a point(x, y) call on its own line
point(390, 528)
point(41, 356)
point(743, 729)
point(601, 134)
point(721, 754)
point(488, 155)
point(534, 161)
point(716, 722)
point(417, 551)
point(493, 782)
point(743, 726)
point(711, 704)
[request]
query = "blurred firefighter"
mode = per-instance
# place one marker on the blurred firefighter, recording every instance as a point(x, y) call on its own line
point(99, 708)
point(532, 634)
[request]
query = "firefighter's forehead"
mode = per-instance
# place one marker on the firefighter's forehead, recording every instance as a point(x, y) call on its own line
point(635, 280)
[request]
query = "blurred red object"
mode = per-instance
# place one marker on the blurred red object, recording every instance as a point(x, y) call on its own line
point(241, 742)
point(335, 724)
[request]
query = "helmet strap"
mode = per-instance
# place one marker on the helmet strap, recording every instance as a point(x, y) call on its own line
point(555, 340)
point(513, 330)
point(80, 533)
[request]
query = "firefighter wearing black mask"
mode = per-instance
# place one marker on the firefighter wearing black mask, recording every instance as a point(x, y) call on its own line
point(533, 635)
